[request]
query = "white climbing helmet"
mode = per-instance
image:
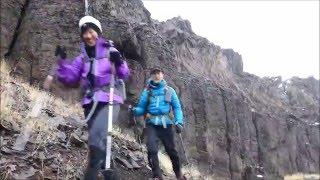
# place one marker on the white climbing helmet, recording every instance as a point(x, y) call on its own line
point(89, 19)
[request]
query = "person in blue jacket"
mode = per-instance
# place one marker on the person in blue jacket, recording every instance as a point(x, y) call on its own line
point(156, 103)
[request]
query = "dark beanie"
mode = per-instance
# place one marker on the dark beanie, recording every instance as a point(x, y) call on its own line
point(156, 70)
point(87, 26)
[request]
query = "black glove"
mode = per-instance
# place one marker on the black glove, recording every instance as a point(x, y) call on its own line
point(115, 56)
point(61, 51)
point(179, 128)
point(132, 119)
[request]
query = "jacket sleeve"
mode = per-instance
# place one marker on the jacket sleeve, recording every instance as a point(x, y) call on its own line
point(69, 72)
point(176, 106)
point(141, 107)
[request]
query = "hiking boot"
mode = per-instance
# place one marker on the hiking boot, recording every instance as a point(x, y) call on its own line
point(96, 157)
point(182, 178)
point(156, 178)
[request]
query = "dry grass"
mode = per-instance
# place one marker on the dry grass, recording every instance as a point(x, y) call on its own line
point(191, 171)
point(22, 107)
point(300, 176)
point(123, 134)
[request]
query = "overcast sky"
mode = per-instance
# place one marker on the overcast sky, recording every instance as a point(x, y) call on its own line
point(274, 37)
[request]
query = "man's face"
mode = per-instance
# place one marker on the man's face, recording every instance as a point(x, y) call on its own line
point(157, 77)
point(90, 37)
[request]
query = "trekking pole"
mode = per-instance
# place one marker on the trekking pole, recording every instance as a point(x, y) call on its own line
point(135, 131)
point(139, 138)
point(189, 165)
point(109, 174)
point(110, 114)
point(184, 149)
point(86, 7)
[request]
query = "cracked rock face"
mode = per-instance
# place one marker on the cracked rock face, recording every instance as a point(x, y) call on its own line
point(237, 124)
point(10, 14)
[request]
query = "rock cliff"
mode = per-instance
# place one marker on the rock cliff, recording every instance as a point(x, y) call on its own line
point(238, 125)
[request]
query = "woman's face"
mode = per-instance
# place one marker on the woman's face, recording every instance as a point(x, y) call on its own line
point(90, 37)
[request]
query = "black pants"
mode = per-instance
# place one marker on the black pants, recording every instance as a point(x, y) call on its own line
point(98, 125)
point(166, 136)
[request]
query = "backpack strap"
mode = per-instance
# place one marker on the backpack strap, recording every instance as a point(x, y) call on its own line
point(168, 94)
point(148, 102)
point(149, 96)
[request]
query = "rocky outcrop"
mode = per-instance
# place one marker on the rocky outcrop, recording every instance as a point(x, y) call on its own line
point(237, 124)
point(12, 13)
point(234, 60)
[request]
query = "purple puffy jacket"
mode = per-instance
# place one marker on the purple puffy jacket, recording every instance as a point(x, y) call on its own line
point(75, 71)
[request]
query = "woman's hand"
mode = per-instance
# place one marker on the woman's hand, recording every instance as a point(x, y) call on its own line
point(115, 56)
point(61, 51)
point(47, 82)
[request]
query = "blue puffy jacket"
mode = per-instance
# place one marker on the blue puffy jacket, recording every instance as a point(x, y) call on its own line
point(159, 104)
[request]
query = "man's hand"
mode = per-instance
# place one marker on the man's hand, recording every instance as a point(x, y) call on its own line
point(148, 116)
point(47, 83)
point(130, 108)
point(179, 128)
point(61, 51)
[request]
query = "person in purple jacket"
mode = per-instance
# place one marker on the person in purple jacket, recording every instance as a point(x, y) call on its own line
point(93, 69)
